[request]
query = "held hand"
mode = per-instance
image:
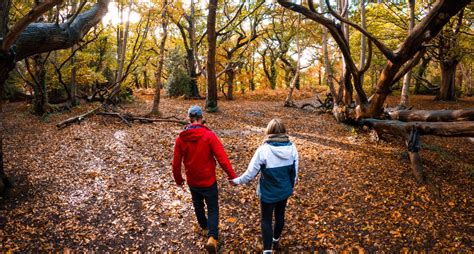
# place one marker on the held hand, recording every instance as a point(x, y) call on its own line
point(232, 183)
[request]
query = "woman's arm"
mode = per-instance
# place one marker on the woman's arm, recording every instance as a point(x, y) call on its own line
point(296, 160)
point(252, 169)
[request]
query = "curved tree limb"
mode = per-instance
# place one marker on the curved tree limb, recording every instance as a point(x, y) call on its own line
point(24, 22)
point(408, 66)
point(430, 26)
point(368, 61)
point(43, 37)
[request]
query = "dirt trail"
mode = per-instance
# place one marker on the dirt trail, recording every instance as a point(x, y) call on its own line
point(104, 186)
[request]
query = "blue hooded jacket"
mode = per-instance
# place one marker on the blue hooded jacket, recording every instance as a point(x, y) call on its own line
point(277, 164)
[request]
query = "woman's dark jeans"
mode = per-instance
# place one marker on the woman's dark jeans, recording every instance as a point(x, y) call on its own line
point(211, 196)
point(268, 209)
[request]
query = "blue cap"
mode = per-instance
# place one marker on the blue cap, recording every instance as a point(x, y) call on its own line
point(194, 111)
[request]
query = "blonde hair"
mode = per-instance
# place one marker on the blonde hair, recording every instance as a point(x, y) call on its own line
point(275, 126)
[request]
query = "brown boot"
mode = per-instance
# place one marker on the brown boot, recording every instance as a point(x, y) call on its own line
point(211, 245)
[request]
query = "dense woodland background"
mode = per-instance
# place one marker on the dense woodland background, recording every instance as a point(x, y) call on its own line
point(395, 78)
point(258, 44)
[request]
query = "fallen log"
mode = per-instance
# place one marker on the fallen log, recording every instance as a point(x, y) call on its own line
point(127, 118)
point(433, 115)
point(411, 131)
point(444, 129)
point(76, 119)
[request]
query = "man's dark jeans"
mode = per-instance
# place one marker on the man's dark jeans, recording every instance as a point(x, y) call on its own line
point(267, 213)
point(211, 196)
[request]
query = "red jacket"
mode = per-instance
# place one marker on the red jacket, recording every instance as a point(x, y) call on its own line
point(197, 146)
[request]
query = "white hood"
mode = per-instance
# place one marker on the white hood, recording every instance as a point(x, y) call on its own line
point(272, 157)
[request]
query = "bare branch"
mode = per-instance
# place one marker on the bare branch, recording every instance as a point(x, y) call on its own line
point(384, 49)
point(69, 22)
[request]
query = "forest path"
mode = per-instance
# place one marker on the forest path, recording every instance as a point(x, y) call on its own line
point(104, 186)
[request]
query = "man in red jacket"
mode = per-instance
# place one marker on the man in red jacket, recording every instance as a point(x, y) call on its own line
point(199, 148)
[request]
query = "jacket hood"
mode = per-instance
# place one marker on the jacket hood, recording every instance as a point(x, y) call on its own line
point(283, 152)
point(193, 132)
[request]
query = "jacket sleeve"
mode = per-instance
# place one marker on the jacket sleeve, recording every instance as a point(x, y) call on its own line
point(252, 170)
point(219, 153)
point(296, 160)
point(177, 160)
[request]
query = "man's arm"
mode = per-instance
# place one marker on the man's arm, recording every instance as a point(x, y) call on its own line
point(218, 151)
point(177, 160)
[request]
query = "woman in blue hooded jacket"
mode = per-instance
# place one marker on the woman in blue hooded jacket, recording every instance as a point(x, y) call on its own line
point(277, 162)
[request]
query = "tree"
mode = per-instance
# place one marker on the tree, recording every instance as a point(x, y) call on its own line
point(449, 55)
point(188, 35)
point(407, 77)
point(234, 40)
point(123, 53)
point(399, 61)
point(327, 63)
point(211, 97)
point(296, 71)
point(34, 38)
point(159, 70)
point(269, 60)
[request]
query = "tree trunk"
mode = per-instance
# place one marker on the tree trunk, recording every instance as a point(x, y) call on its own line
point(191, 62)
point(211, 98)
point(442, 129)
point(73, 82)
point(252, 73)
point(348, 89)
point(384, 85)
point(296, 78)
point(363, 39)
point(407, 79)
point(327, 64)
point(466, 76)
point(192, 58)
point(41, 99)
point(164, 24)
point(145, 79)
point(420, 73)
point(448, 79)
point(122, 41)
point(459, 79)
point(136, 80)
point(273, 74)
point(346, 74)
point(433, 115)
point(5, 68)
point(230, 83)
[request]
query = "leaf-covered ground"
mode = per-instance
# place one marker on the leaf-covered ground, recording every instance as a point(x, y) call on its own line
point(104, 186)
